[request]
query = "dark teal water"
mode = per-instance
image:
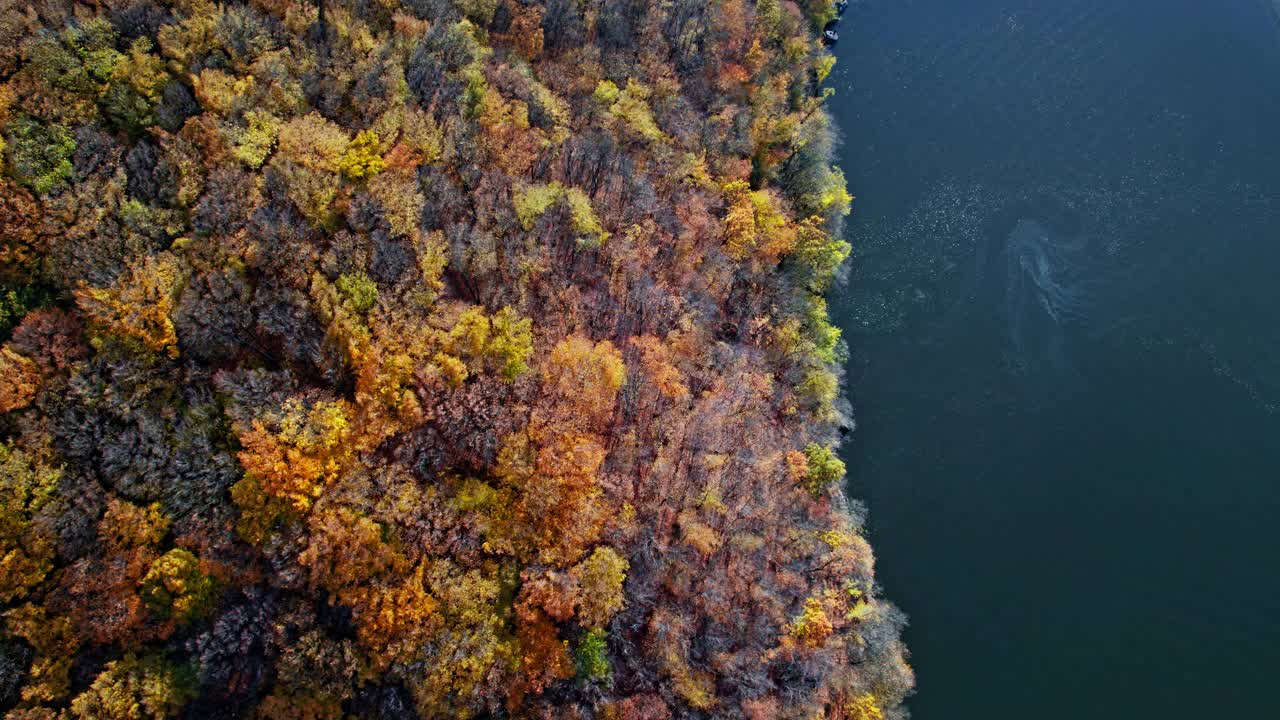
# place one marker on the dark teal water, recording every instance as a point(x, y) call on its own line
point(1065, 354)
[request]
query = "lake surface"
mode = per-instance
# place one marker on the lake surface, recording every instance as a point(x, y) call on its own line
point(1065, 349)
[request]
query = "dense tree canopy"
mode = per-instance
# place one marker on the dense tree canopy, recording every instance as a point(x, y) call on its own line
point(436, 358)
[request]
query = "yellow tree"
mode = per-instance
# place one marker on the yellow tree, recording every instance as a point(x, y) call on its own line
point(126, 526)
point(26, 549)
point(472, 650)
point(290, 455)
point(309, 157)
point(175, 586)
point(362, 159)
point(811, 627)
point(755, 227)
point(553, 512)
point(136, 310)
point(55, 643)
point(346, 552)
point(396, 618)
point(551, 509)
point(599, 578)
point(133, 688)
point(19, 380)
point(581, 380)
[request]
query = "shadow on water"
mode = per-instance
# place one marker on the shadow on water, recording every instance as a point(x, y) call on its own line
point(1032, 273)
point(1044, 293)
point(1060, 284)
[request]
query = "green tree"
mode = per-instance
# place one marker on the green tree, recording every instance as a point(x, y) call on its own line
point(479, 12)
point(40, 154)
point(534, 200)
point(586, 225)
point(502, 342)
point(358, 291)
point(768, 17)
point(819, 12)
point(17, 301)
point(824, 468)
point(137, 80)
point(254, 143)
point(817, 254)
point(510, 342)
point(94, 42)
point(591, 657)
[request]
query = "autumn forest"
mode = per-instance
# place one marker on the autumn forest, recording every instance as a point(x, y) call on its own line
point(398, 359)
